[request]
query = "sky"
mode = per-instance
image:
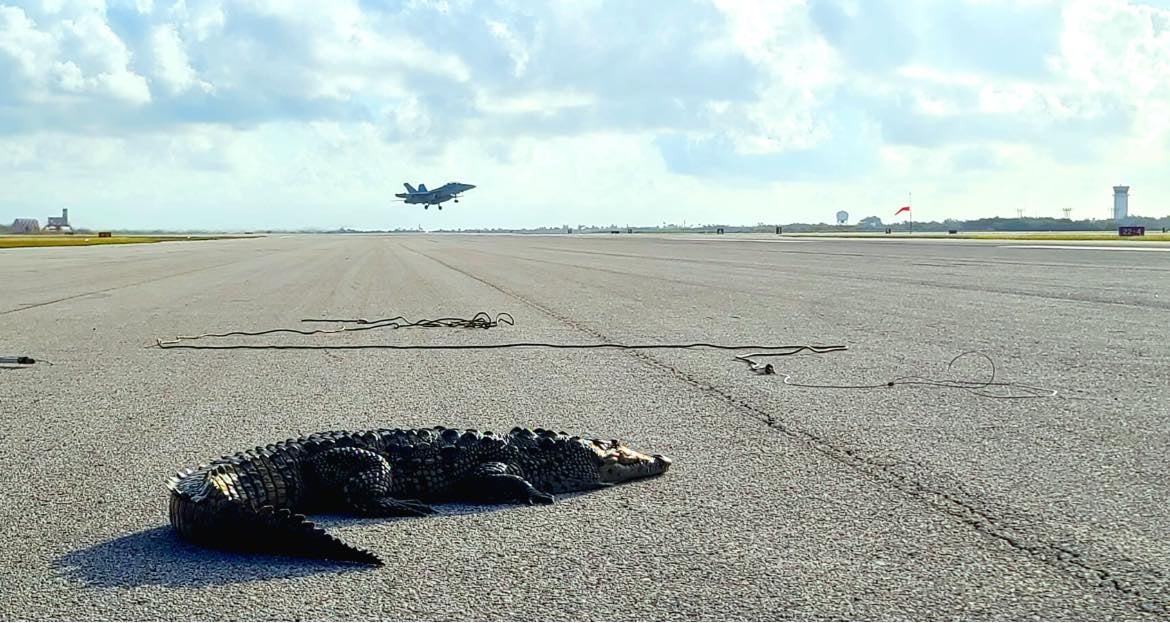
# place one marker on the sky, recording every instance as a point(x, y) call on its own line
point(253, 114)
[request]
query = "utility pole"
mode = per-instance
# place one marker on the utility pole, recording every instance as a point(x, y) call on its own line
point(909, 202)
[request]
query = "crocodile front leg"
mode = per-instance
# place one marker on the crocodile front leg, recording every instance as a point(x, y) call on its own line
point(358, 481)
point(495, 483)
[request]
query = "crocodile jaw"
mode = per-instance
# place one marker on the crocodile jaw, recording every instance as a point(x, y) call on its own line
point(621, 463)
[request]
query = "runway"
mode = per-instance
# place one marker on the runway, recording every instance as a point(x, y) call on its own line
point(904, 502)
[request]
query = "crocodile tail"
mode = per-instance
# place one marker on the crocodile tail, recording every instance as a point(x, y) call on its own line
point(281, 531)
point(211, 519)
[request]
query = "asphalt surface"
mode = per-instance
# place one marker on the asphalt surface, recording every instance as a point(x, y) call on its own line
point(904, 502)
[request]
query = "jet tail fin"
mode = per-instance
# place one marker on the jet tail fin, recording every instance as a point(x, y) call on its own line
point(422, 188)
point(409, 188)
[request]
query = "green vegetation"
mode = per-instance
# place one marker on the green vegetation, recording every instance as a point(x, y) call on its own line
point(873, 225)
point(1035, 225)
point(1157, 236)
point(77, 240)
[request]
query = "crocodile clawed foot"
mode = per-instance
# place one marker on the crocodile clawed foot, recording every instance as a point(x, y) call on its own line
point(538, 497)
point(418, 506)
point(393, 507)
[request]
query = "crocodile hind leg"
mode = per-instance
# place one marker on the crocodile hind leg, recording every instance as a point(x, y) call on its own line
point(359, 481)
point(493, 483)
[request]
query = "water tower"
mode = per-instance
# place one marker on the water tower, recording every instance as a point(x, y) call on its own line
point(842, 217)
point(1120, 203)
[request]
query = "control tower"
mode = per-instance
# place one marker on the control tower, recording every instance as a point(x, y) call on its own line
point(1120, 203)
point(60, 222)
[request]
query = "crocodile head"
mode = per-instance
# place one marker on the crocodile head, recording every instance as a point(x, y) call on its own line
point(616, 462)
point(559, 463)
point(576, 464)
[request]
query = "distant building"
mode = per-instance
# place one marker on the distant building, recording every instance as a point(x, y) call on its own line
point(1120, 203)
point(25, 226)
point(59, 222)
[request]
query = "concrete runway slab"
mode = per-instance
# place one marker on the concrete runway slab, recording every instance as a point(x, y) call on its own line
point(905, 502)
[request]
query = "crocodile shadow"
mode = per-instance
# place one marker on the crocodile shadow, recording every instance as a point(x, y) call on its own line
point(158, 557)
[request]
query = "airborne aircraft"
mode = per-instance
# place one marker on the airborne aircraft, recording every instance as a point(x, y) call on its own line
point(435, 197)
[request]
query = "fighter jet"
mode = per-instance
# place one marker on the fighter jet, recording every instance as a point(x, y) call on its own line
point(435, 197)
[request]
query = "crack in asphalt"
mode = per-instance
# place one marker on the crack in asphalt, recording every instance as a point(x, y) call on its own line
point(111, 289)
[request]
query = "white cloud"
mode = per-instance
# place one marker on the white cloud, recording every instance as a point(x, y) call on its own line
point(533, 102)
point(78, 55)
point(27, 48)
point(172, 66)
point(102, 58)
point(517, 49)
point(198, 23)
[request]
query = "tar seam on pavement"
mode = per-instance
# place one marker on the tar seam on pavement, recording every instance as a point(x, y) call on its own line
point(965, 511)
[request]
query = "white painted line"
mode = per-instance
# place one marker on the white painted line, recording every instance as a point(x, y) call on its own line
point(1077, 247)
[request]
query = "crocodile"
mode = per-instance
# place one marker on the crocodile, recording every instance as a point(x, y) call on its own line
point(257, 500)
